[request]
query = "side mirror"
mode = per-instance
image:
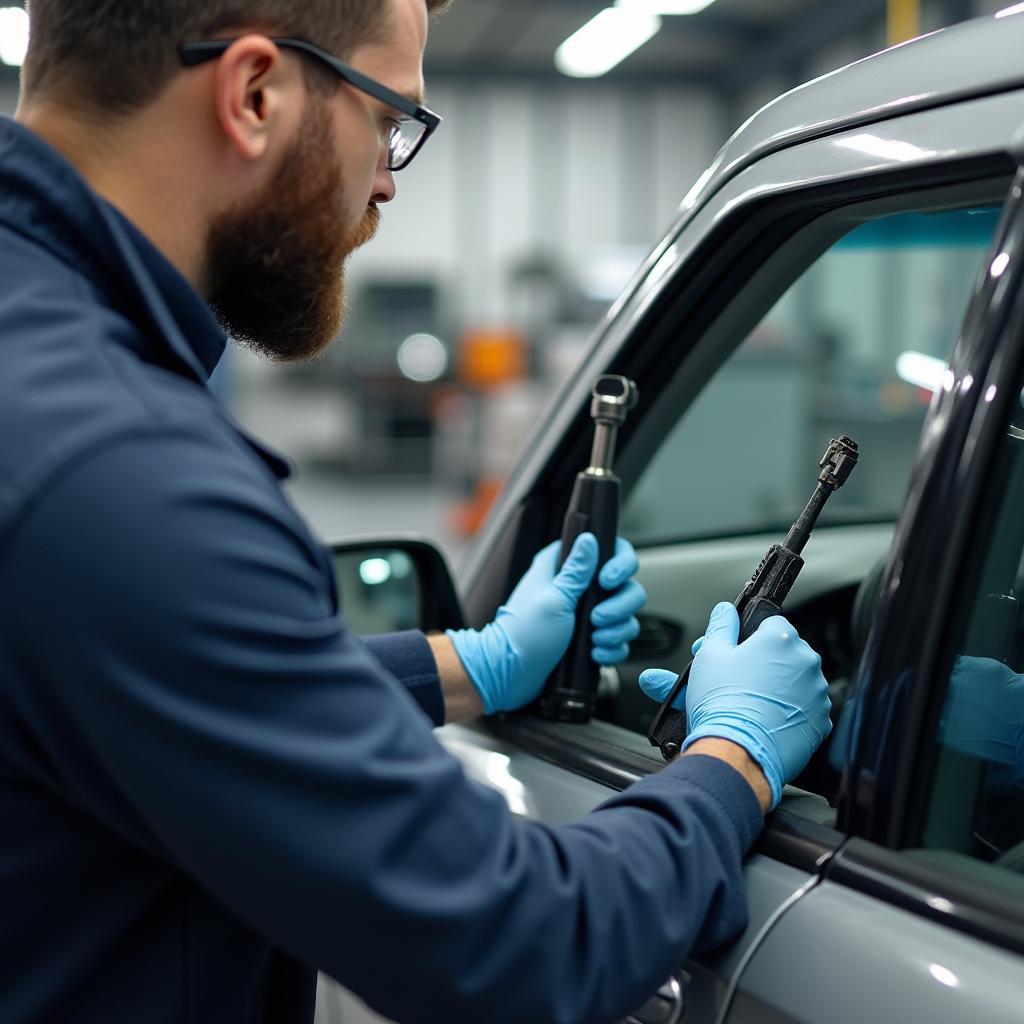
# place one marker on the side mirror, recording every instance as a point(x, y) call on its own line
point(389, 584)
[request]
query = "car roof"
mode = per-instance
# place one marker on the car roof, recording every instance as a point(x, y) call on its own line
point(975, 58)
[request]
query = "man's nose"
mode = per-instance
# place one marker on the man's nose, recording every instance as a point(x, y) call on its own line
point(384, 188)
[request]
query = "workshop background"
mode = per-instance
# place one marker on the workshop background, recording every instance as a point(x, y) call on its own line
point(513, 232)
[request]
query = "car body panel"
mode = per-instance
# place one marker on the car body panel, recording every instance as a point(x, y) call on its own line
point(532, 788)
point(845, 958)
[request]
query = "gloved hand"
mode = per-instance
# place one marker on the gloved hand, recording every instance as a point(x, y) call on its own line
point(984, 714)
point(766, 694)
point(509, 660)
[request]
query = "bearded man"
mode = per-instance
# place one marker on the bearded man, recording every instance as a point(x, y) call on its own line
point(209, 788)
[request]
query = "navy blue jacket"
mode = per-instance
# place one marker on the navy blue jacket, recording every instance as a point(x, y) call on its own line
point(209, 788)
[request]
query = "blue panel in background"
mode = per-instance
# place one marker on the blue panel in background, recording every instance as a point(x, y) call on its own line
point(963, 228)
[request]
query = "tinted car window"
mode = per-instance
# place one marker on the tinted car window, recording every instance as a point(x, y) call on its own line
point(853, 347)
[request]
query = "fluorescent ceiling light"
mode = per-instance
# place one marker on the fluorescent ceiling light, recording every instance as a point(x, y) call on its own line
point(13, 36)
point(606, 40)
point(664, 6)
point(1009, 12)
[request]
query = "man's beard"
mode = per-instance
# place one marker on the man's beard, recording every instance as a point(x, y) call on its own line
point(275, 265)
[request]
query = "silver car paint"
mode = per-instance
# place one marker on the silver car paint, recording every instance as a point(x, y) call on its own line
point(844, 958)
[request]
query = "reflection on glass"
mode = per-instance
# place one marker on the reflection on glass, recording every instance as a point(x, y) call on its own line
point(378, 591)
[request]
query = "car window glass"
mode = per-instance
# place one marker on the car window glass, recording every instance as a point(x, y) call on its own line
point(974, 801)
point(853, 347)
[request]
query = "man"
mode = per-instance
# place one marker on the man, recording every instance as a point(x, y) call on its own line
point(208, 788)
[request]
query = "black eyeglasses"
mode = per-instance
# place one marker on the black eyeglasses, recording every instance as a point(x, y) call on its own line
point(407, 135)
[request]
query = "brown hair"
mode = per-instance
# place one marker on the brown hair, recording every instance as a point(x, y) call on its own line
point(115, 56)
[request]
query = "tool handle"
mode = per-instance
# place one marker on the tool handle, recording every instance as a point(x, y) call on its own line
point(668, 730)
point(756, 611)
point(571, 692)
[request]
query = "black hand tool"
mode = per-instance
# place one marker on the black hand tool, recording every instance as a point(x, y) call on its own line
point(571, 691)
point(764, 593)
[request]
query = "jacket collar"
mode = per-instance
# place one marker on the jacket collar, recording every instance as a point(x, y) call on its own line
point(43, 197)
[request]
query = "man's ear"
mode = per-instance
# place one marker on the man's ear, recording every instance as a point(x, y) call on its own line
point(254, 88)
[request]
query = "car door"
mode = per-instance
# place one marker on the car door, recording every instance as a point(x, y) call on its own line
point(696, 317)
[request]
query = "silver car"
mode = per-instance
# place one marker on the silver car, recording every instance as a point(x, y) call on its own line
point(853, 263)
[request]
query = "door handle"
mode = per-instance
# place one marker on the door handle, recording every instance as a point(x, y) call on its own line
point(666, 1006)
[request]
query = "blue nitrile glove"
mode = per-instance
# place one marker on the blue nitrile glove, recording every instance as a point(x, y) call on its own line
point(984, 714)
point(509, 660)
point(766, 694)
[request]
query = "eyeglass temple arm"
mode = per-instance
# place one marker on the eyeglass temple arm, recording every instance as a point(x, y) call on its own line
point(192, 54)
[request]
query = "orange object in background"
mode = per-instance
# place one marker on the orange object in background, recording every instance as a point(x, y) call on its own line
point(490, 357)
point(466, 517)
point(493, 366)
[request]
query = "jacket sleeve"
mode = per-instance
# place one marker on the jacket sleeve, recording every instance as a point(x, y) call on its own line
point(191, 688)
point(407, 656)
